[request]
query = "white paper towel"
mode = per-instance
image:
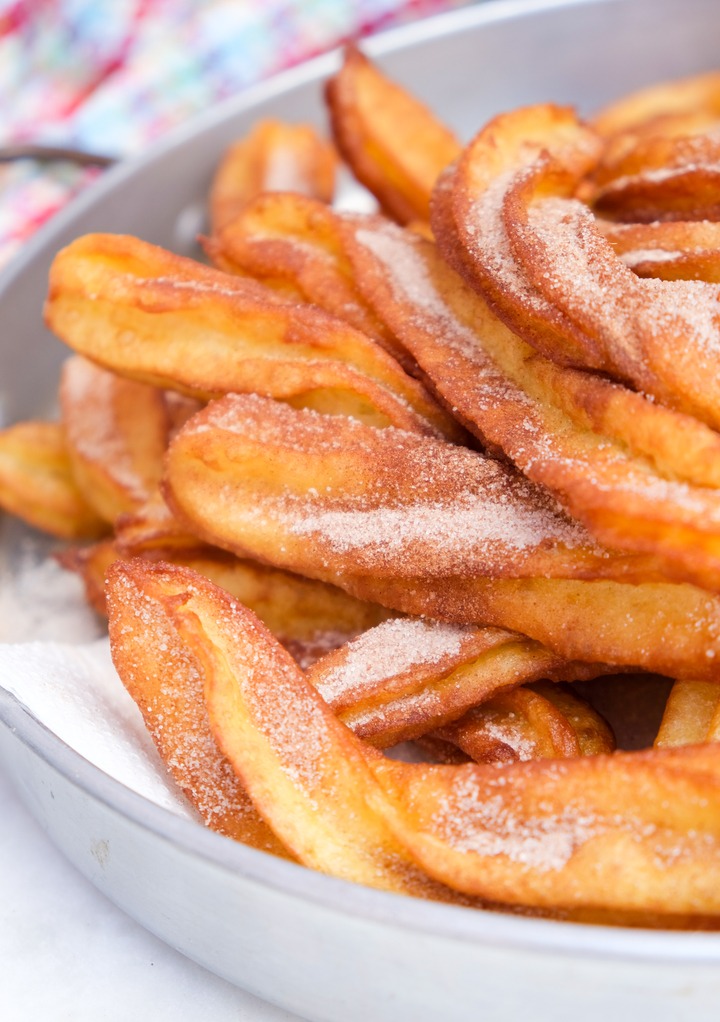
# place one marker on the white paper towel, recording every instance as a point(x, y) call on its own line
point(72, 686)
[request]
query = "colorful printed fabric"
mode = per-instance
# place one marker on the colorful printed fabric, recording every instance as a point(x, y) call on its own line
point(108, 76)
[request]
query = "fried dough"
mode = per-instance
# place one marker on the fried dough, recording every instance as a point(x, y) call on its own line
point(468, 222)
point(665, 108)
point(678, 193)
point(274, 156)
point(658, 335)
point(116, 432)
point(392, 142)
point(659, 178)
point(669, 250)
point(661, 153)
point(429, 529)
point(168, 321)
point(292, 243)
point(540, 721)
point(663, 337)
point(37, 482)
point(320, 804)
point(639, 476)
point(685, 153)
point(309, 618)
point(582, 353)
point(165, 679)
point(692, 715)
point(545, 834)
point(551, 832)
point(350, 499)
point(406, 676)
point(151, 527)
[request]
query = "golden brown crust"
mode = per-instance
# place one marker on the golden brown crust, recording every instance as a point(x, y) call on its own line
point(318, 800)
point(289, 241)
point(274, 156)
point(663, 108)
point(668, 250)
point(545, 834)
point(428, 529)
point(640, 476)
point(536, 255)
point(566, 362)
point(37, 482)
point(362, 501)
point(159, 318)
point(468, 222)
point(540, 721)
point(407, 676)
point(692, 715)
point(394, 145)
point(165, 680)
point(116, 432)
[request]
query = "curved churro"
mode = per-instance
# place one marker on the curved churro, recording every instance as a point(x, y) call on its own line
point(640, 476)
point(116, 432)
point(274, 156)
point(395, 146)
point(165, 320)
point(292, 243)
point(509, 204)
point(38, 485)
point(427, 528)
point(545, 834)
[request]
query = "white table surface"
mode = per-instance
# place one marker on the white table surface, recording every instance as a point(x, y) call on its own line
point(69, 955)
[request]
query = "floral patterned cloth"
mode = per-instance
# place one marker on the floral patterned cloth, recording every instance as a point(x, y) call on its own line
point(108, 76)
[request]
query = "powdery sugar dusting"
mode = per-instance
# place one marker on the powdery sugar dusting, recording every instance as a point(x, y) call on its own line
point(426, 309)
point(392, 648)
point(273, 424)
point(96, 435)
point(490, 243)
point(650, 255)
point(115, 287)
point(422, 496)
point(659, 175)
point(410, 277)
point(484, 824)
point(687, 309)
point(595, 287)
point(599, 291)
point(529, 443)
point(279, 706)
point(507, 732)
point(193, 756)
point(470, 521)
point(306, 652)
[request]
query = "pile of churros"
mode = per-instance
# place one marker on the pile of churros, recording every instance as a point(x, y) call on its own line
point(427, 476)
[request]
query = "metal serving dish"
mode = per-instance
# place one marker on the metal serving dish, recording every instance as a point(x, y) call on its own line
point(323, 948)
